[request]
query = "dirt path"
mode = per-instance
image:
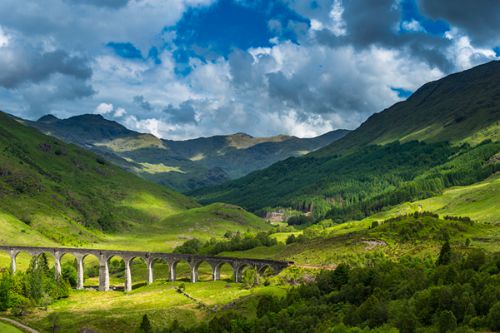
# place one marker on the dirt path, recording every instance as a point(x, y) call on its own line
point(19, 325)
point(325, 267)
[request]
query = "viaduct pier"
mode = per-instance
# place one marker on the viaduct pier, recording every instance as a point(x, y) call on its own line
point(172, 259)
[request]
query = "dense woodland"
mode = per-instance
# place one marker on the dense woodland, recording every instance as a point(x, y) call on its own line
point(35, 287)
point(459, 292)
point(360, 183)
point(233, 242)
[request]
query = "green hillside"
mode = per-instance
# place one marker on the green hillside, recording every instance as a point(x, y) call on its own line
point(182, 165)
point(464, 106)
point(381, 163)
point(55, 193)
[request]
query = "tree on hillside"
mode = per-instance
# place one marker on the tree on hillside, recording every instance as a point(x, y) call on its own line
point(146, 325)
point(250, 278)
point(445, 254)
point(447, 322)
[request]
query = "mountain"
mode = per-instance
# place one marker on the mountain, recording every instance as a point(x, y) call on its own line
point(445, 134)
point(52, 192)
point(182, 165)
point(461, 106)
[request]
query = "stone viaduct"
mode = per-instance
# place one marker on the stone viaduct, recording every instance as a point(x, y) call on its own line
point(172, 259)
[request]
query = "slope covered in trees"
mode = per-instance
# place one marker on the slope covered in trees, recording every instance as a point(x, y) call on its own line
point(456, 121)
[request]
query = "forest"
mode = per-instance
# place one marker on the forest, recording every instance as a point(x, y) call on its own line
point(458, 292)
point(361, 182)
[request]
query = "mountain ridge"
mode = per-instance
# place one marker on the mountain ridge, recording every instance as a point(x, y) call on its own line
point(52, 192)
point(435, 122)
point(184, 165)
point(435, 139)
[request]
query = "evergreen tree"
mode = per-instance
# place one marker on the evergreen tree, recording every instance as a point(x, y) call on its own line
point(146, 325)
point(445, 254)
point(447, 322)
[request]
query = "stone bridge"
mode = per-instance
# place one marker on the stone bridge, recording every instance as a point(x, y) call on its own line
point(172, 259)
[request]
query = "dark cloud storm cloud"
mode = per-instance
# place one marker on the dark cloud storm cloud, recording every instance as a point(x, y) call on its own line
point(480, 19)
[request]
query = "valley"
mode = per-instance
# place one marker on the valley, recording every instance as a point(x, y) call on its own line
point(182, 165)
point(399, 217)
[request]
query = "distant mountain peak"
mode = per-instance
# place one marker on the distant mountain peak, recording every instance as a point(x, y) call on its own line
point(48, 118)
point(89, 116)
point(242, 134)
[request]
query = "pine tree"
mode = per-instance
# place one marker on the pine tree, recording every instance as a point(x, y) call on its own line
point(445, 254)
point(146, 324)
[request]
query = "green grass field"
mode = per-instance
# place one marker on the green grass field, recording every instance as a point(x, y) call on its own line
point(118, 312)
point(7, 328)
point(353, 242)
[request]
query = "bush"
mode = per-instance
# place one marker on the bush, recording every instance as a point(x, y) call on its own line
point(300, 220)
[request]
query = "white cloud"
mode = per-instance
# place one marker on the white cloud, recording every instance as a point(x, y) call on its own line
point(104, 108)
point(412, 25)
point(120, 112)
point(463, 54)
point(301, 89)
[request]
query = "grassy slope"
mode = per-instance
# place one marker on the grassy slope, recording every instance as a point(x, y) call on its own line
point(207, 222)
point(344, 242)
point(116, 311)
point(55, 193)
point(6, 328)
point(462, 107)
point(63, 191)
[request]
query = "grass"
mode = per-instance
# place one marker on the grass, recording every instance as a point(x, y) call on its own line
point(356, 243)
point(353, 242)
point(118, 312)
point(158, 168)
point(70, 195)
point(6, 328)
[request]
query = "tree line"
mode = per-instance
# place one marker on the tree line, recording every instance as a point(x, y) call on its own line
point(459, 293)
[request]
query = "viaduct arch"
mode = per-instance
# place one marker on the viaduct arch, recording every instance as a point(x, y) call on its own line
point(171, 259)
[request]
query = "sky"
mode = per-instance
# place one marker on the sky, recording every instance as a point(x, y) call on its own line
point(182, 69)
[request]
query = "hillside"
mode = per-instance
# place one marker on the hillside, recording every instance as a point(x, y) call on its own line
point(326, 243)
point(381, 163)
point(182, 165)
point(463, 106)
point(57, 193)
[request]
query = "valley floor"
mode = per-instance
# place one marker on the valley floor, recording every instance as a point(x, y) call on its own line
point(116, 311)
point(325, 246)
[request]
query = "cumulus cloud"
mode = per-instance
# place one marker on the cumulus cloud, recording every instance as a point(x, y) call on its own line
point(479, 19)
point(104, 108)
point(347, 60)
point(184, 113)
point(101, 3)
point(119, 112)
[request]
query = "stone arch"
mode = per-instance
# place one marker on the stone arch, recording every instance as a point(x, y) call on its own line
point(239, 270)
point(52, 261)
point(223, 270)
point(159, 267)
point(118, 276)
point(86, 264)
point(139, 270)
point(21, 259)
point(202, 270)
point(266, 270)
point(65, 260)
point(180, 269)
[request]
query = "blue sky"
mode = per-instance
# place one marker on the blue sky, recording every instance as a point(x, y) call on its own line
point(185, 68)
